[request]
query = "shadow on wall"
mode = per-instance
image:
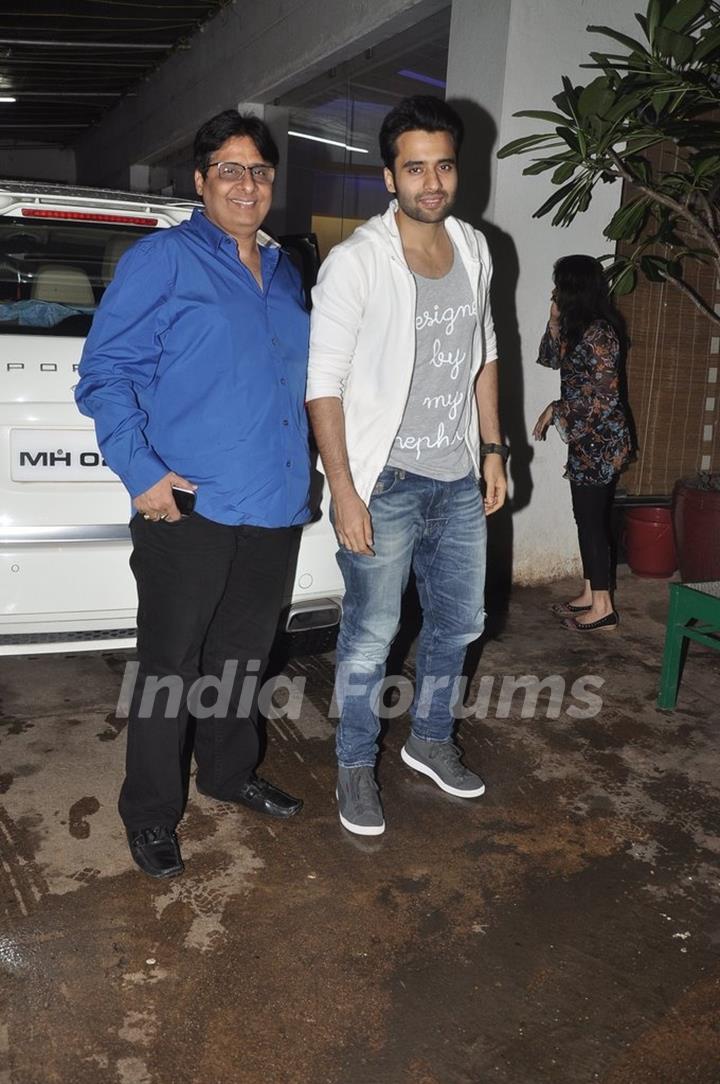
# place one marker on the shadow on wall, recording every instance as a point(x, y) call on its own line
point(475, 173)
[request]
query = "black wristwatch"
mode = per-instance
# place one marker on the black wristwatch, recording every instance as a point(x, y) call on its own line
point(495, 449)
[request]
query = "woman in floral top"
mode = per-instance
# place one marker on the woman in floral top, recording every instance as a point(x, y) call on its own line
point(584, 340)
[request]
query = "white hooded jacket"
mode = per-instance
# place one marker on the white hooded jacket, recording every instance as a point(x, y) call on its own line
point(362, 337)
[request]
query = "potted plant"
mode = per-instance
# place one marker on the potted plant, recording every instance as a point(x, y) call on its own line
point(665, 89)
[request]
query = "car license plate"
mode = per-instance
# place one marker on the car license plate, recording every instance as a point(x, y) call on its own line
point(57, 455)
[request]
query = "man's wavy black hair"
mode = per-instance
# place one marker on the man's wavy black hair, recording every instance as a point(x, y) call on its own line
point(422, 113)
point(223, 126)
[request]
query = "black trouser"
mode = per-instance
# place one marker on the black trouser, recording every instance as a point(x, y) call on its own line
point(591, 508)
point(208, 595)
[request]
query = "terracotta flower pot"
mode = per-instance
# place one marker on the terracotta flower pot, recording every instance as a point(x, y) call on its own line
point(649, 542)
point(696, 521)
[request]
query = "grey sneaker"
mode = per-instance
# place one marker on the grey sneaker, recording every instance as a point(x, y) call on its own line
point(359, 801)
point(441, 762)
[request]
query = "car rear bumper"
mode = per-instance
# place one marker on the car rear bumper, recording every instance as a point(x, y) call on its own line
point(71, 589)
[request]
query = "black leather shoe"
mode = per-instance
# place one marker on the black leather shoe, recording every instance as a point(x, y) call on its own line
point(263, 797)
point(156, 851)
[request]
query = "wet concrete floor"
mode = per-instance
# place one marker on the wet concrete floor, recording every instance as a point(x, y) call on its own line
point(563, 928)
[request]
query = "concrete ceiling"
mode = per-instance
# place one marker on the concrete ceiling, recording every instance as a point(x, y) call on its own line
point(67, 62)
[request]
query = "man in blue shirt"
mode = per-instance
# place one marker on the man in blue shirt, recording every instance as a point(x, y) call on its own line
point(194, 373)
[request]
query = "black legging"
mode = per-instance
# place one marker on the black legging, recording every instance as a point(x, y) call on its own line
point(591, 508)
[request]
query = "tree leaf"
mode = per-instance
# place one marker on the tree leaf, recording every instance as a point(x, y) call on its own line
point(542, 114)
point(570, 137)
point(554, 199)
point(702, 255)
point(652, 20)
point(702, 165)
point(627, 221)
point(574, 201)
point(683, 13)
point(561, 101)
point(540, 165)
point(526, 143)
point(626, 282)
point(596, 128)
point(642, 142)
point(660, 99)
point(563, 172)
point(679, 47)
point(584, 201)
point(709, 42)
point(571, 97)
point(616, 264)
point(666, 233)
point(624, 39)
point(640, 168)
point(625, 104)
point(597, 97)
point(694, 136)
point(654, 268)
point(619, 62)
point(607, 62)
point(656, 12)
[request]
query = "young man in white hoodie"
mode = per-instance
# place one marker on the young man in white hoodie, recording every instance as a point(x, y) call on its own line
point(402, 387)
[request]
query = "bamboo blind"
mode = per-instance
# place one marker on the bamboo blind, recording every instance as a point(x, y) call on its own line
point(673, 375)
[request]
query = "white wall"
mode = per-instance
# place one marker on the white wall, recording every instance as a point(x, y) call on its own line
point(540, 41)
point(39, 164)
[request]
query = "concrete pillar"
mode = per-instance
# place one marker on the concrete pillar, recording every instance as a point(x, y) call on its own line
point(276, 118)
point(143, 177)
point(139, 177)
point(477, 57)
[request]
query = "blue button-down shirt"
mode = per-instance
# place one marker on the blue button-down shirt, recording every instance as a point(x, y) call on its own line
point(191, 367)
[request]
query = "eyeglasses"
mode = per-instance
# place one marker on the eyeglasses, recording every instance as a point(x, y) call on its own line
point(233, 171)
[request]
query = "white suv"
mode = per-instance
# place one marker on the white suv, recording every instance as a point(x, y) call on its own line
point(65, 583)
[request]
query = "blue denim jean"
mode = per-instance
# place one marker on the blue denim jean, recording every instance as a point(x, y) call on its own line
point(437, 529)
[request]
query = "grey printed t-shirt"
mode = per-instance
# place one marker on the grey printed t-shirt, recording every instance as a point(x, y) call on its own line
point(431, 437)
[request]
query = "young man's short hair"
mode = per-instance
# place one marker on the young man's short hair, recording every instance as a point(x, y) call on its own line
point(422, 113)
point(223, 126)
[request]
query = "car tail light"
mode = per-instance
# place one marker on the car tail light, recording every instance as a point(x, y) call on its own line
point(88, 216)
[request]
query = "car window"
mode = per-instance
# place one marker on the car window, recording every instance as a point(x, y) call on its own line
point(53, 273)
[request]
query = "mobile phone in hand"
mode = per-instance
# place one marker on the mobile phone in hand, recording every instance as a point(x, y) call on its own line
point(184, 499)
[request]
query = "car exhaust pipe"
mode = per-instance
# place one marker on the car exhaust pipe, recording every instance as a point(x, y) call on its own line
point(319, 613)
